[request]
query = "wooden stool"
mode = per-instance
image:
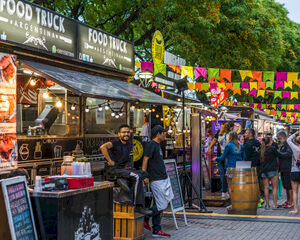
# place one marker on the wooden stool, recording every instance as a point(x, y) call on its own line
point(128, 225)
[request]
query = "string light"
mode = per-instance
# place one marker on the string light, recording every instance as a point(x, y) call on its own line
point(100, 108)
point(73, 107)
point(117, 116)
point(32, 82)
point(45, 95)
point(58, 104)
point(113, 114)
point(87, 109)
point(120, 114)
point(106, 107)
point(139, 109)
point(132, 107)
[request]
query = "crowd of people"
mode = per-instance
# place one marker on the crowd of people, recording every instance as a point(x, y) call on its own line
point(273, 156)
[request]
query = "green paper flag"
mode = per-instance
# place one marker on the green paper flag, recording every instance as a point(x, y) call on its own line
point(277, 94)
point(282, 106)
point(236, 85)
point(205, 86)
point(213, 73)
point(269, 85)
point(268, 76)
point(278, 113)
point(263, 106)
point(160, 68)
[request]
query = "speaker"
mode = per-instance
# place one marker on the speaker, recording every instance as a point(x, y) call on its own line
point(47, 117)
point(181, 84)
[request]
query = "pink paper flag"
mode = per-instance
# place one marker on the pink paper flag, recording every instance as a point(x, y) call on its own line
point(296, 106)
point(245, 85)
point(279, 84)
point(283, 114)
point(253, 92)
point(279, 105)
point(213, 86)
point(286, 95)
point(147, 66)
point(251, 105)
point(200, 72)
point(259, 105)
point(281, 76)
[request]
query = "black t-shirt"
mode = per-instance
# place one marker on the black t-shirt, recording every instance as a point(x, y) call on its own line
point(156, 167)
point(252, 150)
point(270, 160)
point(120, 153)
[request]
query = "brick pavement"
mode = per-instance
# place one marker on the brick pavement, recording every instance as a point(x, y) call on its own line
point(231, 230)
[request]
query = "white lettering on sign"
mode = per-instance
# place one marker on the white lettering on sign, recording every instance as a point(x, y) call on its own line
point(24, 11)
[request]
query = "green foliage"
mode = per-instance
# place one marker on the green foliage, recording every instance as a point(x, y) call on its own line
point(235, 34)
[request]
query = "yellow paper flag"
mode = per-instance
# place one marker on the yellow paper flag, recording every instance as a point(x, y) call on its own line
point(294, 95)
point(187, 71)
point(221, 85)
point(246, 73)
point(288, 84)
point(137, 64)
point(253, 85)
point(292, 77)
point(191, 86)
point(260, 93)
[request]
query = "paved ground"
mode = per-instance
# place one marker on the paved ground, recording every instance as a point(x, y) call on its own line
point(213, 229)
point(231, 230)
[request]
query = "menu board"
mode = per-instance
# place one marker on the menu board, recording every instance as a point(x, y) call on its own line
point(98, 47)
point(31, 25)
point(18, 208)
point(171, 168)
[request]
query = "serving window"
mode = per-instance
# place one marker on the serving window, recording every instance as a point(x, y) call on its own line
point(39, 98)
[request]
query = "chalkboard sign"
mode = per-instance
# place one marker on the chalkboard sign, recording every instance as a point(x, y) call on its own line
point(18, 209)
point(177, 203)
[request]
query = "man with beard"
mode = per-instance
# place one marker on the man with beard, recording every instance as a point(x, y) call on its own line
point(119, 165)
point(252, 150)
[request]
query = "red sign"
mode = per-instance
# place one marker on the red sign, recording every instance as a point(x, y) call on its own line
point(218, 95)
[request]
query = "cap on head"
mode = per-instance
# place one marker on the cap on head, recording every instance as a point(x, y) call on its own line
point(157, 129)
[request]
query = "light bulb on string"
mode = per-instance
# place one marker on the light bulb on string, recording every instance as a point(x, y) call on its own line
point(112, 114)
point(139, 109)
point(117, 116)
point(106, 107)
point(87, 109)
point(120, 114)
point(45, 95)
point(100, 108)
point(144, 111)
point(132, 107)
point(32, 82)
point(73, 107)
point(58, 104)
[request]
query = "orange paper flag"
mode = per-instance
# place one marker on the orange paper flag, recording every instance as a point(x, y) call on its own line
point(237, 91)
point(198, 86)
point(229, 86)
point(261, 85)
point(256, 76)
point(225, 74)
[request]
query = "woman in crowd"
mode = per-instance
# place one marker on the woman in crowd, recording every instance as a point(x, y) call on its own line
point(221, 139)
point(269, 170)
point(294, 143)
point(233, 152)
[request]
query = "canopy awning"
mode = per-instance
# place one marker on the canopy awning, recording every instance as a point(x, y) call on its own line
point(95, 86)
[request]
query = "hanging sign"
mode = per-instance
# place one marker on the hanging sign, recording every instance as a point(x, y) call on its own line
point(158, 47)
point(99, 47)
point(218, 95)
point(31, 25)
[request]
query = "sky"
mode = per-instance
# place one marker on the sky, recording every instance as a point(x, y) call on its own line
point(293, 6)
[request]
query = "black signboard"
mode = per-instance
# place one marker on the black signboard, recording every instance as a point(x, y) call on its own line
point(171, 168)
point(98, 47)
point(31, 25)
point(18, 209)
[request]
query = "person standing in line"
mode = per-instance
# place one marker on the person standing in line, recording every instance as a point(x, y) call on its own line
point(233, 152)
point(159, 182)
point(285, 165)
point(294, 142)
point(252, 150)
point(269, 170)
point(119, 164)
point(221, 139)
point(145, 127)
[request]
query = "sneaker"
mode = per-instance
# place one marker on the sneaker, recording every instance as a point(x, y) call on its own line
point(288, 205)
point(160, 234)
point(229, 207)
point(227, 195)
point(261, 201)
point(223, 194)
point(147, 225)
point(284, 204)
point(259, 205)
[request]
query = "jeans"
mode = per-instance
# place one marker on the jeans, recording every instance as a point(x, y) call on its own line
point(221, 169)
point(156, 218)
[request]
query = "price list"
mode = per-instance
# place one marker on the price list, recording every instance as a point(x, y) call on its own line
point(20, 211)
point(172, 173)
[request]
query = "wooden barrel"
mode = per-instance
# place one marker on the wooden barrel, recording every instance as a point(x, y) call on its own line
point(244, 191)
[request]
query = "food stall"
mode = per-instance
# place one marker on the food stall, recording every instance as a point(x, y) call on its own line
point(63, 92)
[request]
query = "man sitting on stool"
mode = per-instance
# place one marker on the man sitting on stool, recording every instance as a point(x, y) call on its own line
point(119, 164)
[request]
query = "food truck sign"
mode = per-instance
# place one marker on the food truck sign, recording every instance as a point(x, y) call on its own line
point(28, 24)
